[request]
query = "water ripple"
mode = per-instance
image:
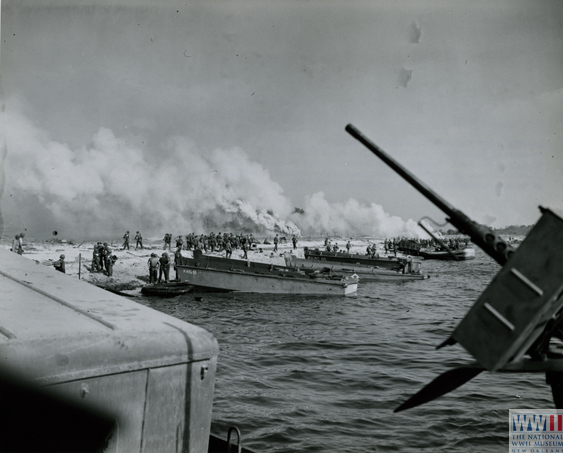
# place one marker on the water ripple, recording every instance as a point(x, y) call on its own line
point(312, 374)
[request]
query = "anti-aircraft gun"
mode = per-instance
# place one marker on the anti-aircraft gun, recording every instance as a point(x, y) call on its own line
point(516, 325)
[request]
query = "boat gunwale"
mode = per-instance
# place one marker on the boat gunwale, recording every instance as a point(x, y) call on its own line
point(305, 278)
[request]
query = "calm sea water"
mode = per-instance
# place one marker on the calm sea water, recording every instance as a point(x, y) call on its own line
point(316, 374)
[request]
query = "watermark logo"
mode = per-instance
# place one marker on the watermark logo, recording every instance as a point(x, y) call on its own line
point(535, 430)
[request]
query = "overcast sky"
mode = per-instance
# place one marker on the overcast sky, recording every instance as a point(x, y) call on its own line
point(467, 95)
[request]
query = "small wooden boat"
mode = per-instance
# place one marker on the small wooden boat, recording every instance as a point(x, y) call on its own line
point(211, 273)
point(348, 258)
point(171, 289)
point(365, 272)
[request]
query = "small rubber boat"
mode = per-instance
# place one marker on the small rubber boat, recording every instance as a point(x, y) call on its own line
point(171, 289)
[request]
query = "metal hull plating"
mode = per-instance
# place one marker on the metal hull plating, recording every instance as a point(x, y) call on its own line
point(383, 263)
point(458, 255)
point(238, 280)
point(153, 372)
point(364, 272)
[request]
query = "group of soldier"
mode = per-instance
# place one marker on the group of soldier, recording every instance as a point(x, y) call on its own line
point(403, 243)
point(330, 247)
point(371, 249)
point(138, 241)
point(17, 244)
point(212, 242)
point(394, 244)
point(161, 266)
point(102, 259)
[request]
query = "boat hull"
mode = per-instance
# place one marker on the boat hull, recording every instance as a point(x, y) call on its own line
point(211, 279)
point(364, 272)
point(458, 255)
point(382, 263)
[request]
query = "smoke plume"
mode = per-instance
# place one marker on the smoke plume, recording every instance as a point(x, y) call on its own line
point(114, 184)
point(351, 219)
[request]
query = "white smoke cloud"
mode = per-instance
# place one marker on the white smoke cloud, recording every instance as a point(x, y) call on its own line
point(114, 184)
point(352, 218)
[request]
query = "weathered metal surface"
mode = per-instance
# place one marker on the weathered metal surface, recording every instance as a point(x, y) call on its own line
point(238, 280)
point(98, 347)
point(365, 272)
point(122, 395)
point(463, 254)
point(343, 257)
point(165, 409)
point(515, 308)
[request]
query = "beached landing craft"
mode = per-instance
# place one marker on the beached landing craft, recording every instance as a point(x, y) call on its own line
point(142, 381)
point(438, 253)
point(353, 258)
point(366, 273)
point(516, 325)
point(451, 255)
point(211, 273)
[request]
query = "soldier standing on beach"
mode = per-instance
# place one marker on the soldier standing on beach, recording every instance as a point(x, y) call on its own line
point(96, 258)
point(212, 241)
point(164, 267)
point(294, 240)
point(153, 268)
point(177, 260)
point(276, 240)
point(109, 264)
point(102, 252)
point(126, 241)
point(106, 256)
point(16, 244)
point(20, 244)
point(167, 241)
point(60, 264)
point(138, 240)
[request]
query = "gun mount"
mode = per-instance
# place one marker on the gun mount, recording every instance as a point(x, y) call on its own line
point(521, 310)
point(484, 237)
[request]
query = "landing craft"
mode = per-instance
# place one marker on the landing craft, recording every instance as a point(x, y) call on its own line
point(517, 323)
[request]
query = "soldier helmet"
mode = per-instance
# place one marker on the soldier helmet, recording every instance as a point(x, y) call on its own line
point(164, 254)
point(62, 257)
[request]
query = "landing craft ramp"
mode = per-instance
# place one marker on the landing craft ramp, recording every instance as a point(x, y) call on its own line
point(154, 372)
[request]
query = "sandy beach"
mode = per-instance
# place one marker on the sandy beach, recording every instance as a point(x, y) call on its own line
point(130, 272)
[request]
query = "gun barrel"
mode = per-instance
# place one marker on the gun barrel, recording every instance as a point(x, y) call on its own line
point(413, 180)
point(484, 237)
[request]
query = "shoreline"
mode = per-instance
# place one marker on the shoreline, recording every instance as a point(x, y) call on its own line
point(130, 272)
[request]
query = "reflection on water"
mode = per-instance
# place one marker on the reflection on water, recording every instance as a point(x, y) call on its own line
point(316, 373)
